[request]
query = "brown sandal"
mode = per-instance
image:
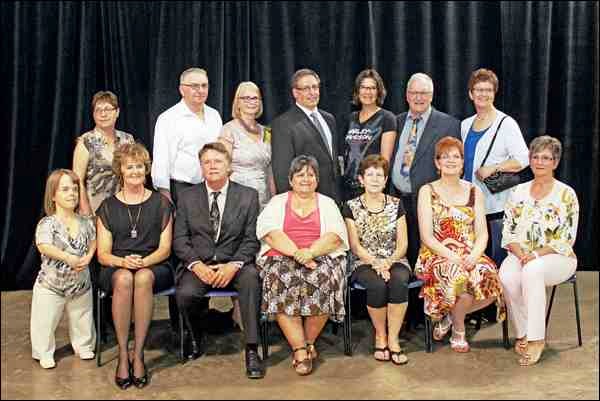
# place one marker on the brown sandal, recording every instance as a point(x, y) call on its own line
point(521, 346)
point(531, 358)
point(312, 351)
point(303, 367)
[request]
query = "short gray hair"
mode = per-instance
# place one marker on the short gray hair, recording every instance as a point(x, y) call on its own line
point(190, 71)
point(420, 76)
point(302, 161)
point(544, 142)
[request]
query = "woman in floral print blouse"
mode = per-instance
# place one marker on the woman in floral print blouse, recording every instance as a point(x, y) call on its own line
point(540, 226)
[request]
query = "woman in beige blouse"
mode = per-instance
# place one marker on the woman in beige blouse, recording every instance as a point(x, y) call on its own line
point(540, 227)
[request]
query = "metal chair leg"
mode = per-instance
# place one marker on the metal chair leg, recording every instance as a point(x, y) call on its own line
point(348, 323)
point(550, 306)
point(181, 337)
point(505, 334)
point(577, 312)
point(99, 306)
point(428, 335)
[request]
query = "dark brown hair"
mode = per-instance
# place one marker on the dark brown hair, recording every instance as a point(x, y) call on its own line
point(375, 161)
point(52, 186)
point(374, 75)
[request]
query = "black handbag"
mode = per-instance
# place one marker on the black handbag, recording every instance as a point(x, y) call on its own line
point(501, 181)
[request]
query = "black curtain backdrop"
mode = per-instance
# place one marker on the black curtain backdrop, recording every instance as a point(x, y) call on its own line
point(56, 55)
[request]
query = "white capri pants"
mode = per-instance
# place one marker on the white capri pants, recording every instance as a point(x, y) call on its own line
point(525, 290)
point(46, 311)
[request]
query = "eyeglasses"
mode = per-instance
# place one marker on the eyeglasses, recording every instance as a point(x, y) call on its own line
point(419, 93)
point(305, 89)
point(196, 87)
point(249, 99)
point(483, 90)
point(543, 159)
point(450, 157)
point(100, 110)
point(368, 88)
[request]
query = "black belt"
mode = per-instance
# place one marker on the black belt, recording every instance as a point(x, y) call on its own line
point(494, 216)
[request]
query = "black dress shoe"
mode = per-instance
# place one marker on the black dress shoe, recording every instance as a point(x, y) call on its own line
point(123, 383)
point(140, 382)
point(194, 352)
point(254, 366)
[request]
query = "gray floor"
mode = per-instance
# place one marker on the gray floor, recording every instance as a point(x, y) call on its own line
point(487, 372)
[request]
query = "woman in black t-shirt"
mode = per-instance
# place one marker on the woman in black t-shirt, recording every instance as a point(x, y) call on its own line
point(134, 242)
point(371, 130)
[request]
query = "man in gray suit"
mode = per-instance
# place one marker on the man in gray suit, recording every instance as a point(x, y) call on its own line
point(412, 161)
point(305, 129)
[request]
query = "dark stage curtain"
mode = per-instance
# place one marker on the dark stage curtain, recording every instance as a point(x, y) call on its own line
point(56, 55)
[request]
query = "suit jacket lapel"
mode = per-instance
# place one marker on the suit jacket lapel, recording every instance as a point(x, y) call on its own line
point(229, 211)
point(428, 135)
point(310, 127)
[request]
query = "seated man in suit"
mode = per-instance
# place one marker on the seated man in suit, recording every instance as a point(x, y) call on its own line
point(215, 239)
point(305, 129)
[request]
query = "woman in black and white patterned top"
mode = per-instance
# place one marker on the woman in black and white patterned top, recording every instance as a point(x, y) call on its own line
point(67, 242)
point(377, 232)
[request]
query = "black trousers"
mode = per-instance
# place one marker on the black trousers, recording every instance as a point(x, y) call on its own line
point(190, 292)
point(379, 292)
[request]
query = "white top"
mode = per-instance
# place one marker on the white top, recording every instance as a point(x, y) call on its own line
point(273, 215)
point(324, 124)
point(551, 221)
point(509, 144)
point(178, 137)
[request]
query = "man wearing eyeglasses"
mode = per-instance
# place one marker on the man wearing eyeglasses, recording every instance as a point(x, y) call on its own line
point(305, 129)
point(413, 158)
point(180, 132)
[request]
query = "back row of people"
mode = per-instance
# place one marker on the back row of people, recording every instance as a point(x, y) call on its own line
point(299, 260)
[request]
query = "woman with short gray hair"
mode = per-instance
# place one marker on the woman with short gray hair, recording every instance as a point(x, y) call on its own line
point(540, 227)
point(302, 261)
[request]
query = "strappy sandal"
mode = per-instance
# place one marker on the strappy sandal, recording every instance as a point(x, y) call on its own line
point(312, 351)
point(530, 358)
point(303, 367)
point(441, 328)
point(400, 357)
point(521, 346)
point(459, 343)
point(385, 351)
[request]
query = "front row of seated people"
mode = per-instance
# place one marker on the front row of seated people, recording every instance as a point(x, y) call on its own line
point(297, 246)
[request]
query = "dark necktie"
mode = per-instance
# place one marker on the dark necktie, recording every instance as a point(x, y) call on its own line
point(317, 124)
point(215, 215)
point(411, 147)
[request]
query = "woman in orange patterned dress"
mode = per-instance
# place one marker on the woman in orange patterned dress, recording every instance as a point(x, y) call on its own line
point(459, 278)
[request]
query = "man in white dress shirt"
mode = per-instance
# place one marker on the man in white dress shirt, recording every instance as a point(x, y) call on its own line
point(180, 133)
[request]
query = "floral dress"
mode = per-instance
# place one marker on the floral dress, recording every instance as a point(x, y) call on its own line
point(444, 281)
point(100, 181)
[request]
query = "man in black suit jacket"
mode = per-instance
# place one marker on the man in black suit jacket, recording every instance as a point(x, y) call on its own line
point(215, 239)
point(306, 130)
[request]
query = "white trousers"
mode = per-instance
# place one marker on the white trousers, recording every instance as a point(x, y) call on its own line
point(46, 311)
point(525, 290)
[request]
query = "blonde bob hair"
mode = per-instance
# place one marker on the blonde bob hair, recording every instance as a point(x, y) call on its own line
point(135, 151)
point(52, 186)
point(235, 108)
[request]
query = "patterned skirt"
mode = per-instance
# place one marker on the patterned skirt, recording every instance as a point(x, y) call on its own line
point(294, 290)
point(444, 282)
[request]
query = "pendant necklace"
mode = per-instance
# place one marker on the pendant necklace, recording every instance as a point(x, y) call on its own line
point(133, 233)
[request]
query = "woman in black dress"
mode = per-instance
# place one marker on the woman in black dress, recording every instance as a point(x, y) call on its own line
point(134, 242)
point(371, 130)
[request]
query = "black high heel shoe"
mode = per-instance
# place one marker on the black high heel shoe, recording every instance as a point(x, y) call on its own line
point(123, 383)
point(140, 382)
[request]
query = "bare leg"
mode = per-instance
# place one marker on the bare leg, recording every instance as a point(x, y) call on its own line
point(143, 302)
point(396, 313)
point(294, 333)
point(122, 281)
point(379, 317)
point(477, 305)
point(460, 310)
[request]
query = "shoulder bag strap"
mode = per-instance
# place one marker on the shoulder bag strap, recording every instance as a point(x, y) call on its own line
point(493, 140)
